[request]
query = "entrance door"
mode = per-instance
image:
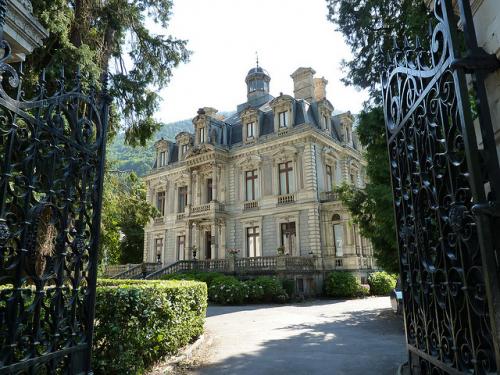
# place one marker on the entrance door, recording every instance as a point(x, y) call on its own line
point(288, 235)
point(208, 245)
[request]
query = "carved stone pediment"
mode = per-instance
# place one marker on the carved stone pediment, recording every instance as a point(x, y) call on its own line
point(198, 150)
point(184, 138)
point(284, 153)
point(249, 161)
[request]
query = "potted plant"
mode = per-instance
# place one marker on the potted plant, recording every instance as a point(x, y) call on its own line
point(280, 250)
point(233, 252)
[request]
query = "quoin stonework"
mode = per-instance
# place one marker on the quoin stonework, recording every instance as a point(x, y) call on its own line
point(261, 181)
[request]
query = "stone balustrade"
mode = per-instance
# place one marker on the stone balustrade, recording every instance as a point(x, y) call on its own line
point(286, 199)
point(250, 205)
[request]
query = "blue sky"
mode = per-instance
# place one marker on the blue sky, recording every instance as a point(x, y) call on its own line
point(224, 36)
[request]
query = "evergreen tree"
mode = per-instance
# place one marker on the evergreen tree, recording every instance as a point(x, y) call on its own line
point(97, 35)
point(369, 28)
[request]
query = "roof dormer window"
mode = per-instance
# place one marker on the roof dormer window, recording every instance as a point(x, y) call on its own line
point(283, 119)
point(163, 159)
point(184, 149)
point(202, 133)
point(251, 130)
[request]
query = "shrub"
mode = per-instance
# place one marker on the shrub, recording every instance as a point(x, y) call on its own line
point(272, 288)
point(206, 277)
point(255, 291)
point(289, 286)
point(381, 283)
point(228, 290)
point(342, 284)
point(138, 322)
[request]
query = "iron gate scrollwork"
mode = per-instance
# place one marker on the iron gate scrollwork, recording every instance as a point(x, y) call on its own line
point(51, 166)
point(445, 181)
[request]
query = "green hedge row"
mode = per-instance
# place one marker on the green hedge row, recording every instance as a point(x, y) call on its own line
point(345, 285)
point(228, 290)
point(381, 283)
point(139, 322)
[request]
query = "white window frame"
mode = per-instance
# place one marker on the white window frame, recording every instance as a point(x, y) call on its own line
point(283, 119)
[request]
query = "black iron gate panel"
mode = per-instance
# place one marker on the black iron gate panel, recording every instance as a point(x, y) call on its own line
point(51, 166)
point(445, 181)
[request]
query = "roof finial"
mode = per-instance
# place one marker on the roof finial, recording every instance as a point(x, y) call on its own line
point(257, 56)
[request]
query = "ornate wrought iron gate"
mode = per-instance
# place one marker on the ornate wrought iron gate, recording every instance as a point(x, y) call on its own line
point(446, 181)
point(52, 151)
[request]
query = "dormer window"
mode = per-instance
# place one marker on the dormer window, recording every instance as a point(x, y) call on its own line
point(325, 122)
point(163, 159)
point(184, 149)
point(202, 135)
point(283, 119)
point(251, 130)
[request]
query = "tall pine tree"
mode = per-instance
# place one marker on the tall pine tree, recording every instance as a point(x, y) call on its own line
point(116, 34)
point(369, 28)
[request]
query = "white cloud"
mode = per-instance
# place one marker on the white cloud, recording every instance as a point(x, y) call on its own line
point(224, 36)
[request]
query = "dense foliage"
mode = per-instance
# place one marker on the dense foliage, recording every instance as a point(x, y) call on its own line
point(95, 35)
point(381, 283)
point(228, 290)
point(139, 322)
point(369, 28)
point(343, 284)
point(125, 212)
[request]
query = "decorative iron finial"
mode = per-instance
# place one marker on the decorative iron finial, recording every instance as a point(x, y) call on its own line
point(256, 56)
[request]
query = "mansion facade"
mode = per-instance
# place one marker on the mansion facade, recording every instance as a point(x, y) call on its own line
point(260, 181)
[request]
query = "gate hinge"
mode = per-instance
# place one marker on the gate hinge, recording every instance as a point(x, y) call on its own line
point(489, 208)
point(477, 59)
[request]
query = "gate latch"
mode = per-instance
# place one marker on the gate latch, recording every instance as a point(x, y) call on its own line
point(477, 59)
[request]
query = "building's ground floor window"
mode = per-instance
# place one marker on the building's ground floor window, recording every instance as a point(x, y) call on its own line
point(338, 238)
point(181, 246)
point(253, 242)
point(158, 248)
point(288, 235)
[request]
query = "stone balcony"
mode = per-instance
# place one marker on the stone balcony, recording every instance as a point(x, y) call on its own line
point(286, 199)
point(328, 196)
point(250, 205)
point(207, 209)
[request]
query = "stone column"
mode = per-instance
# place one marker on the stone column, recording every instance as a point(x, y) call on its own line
point(222, 241)
point(189, 190)
point(215, 237)
point(214, 182)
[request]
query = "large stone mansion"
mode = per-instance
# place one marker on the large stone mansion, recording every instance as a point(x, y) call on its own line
point(260, 180)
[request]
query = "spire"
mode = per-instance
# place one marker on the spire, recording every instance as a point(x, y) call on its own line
point(257, 57)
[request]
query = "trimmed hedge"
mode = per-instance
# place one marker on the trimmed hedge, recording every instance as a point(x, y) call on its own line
point(138, 322)
point(381, 283)
point(343, 284)
point(228, 290)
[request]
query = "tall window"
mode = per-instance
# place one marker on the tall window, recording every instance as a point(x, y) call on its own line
point(181, 245)
point(283, 119)
point(160, 202)
point(329, 178)
point(184, 149)
point(250, 181)
point(285, 178)
point(288, 234)
point(163, 158)
point(182, 198)
point(251, 128)
point(209, 190)
point(158, 248)
point(253, 243)
point(202, 135)
point(338, 238)
point(325, 121)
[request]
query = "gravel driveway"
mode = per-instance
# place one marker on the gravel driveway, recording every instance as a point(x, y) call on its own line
point(318, 337)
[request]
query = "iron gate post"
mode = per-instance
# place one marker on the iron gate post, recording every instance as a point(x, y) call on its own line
point(445, 190)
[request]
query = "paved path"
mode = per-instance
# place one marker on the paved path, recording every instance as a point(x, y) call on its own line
point(318, 337)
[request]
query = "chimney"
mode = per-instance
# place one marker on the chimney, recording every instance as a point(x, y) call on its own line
point(303, 83)
point(320, 88)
